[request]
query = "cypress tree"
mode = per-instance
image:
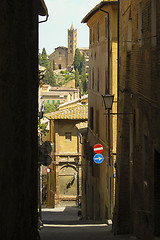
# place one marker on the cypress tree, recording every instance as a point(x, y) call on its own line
point(76, 78)
point(77, 59)
point(54, 65)
point(49, 77)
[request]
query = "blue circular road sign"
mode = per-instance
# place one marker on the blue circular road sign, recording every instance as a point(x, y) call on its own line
point(98, 158)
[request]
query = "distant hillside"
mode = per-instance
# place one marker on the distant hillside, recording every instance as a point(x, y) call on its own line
point(70, 84)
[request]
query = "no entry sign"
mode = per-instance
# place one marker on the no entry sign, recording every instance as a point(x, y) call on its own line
point(98, 148)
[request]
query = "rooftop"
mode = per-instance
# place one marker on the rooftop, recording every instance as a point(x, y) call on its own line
point(79, 112)
point(98, 7)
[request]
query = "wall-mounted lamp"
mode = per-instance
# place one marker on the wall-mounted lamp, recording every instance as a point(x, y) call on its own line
point(108, 101)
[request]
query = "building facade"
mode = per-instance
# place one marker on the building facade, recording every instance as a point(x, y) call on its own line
point(58, 95)
point(64, 180)
point(138, 159)
point(99, 180)
point(64, 56)
point(60, 56)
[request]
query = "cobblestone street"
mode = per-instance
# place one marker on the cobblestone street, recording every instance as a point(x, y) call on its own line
point(64, 223)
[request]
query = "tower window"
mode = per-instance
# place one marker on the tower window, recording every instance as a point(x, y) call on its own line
point(60, 53)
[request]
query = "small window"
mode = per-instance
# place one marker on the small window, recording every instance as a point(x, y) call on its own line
point(60, 53)
point(70, 41)
point(98, 32)
point(154, 22)
point(98, 80)
point(70, 51)
point(68, 136)
point(140, 25)
point(48, 101)
point(93, 79)
point(53, 101)
point(129, 39)
point(91, 116)
point(70, 46)
point(90, 36)
point(97, 122)
point(93, 34)
point(106, 27)
point(58, 101)
point(83, 103)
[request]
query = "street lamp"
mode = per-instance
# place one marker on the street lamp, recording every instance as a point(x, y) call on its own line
point(108, 101)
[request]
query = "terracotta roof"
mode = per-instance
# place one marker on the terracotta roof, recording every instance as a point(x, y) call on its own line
point(62, 89)
point(73, 101)
point(54, 93)
point(74, 113)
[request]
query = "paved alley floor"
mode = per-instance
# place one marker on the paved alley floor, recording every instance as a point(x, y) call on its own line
point(64, 224)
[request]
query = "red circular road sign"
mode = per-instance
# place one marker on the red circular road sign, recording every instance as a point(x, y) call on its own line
point(48, 170)
point(98, 148)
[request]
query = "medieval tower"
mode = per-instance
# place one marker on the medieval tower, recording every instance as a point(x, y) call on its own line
point(72, 44)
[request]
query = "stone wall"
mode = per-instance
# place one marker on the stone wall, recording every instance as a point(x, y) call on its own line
point(138, 160)
point(18, 121)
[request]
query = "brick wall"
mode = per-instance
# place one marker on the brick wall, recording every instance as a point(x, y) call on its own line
point(138, 135)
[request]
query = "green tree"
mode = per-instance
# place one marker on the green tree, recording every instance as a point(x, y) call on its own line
point(49, 107)
point(77, 59)
point(54, 65)
point(83, 74)
point(42, 128)
point(49, 77)
point(82, 64)
point(76, 78)
point(83, 80)
point(43, 60)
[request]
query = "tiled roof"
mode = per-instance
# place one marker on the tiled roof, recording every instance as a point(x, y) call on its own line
point(74, 101)
point(62, 89)
point(54, 93)
point(75, 113)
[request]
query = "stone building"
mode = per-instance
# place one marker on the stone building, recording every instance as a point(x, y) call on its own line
point(18, 121)
point(99, 181)
point(138, 154)
point(58, 95)
point(64, 180)
point(64, 56)
point(60, 56)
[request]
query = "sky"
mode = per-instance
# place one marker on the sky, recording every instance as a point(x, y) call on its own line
point(62, 14)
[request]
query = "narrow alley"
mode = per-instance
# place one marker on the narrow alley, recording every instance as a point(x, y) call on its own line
point(64, 223)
